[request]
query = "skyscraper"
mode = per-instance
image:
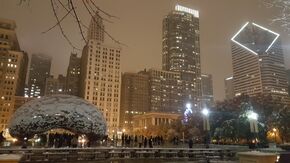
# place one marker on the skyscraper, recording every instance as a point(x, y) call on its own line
point(169, 91)
point(258, 62)
point(73, 75)
point(96, 29)
point(101, 78)
point(13, 68)
point(134, 98)
point(229, 88)
point(181, 46)
point(38, 73)
point(207, 99)
point(54, 86)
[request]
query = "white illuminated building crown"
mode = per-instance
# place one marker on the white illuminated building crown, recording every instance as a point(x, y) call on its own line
point(195, 13)
point(248, 35)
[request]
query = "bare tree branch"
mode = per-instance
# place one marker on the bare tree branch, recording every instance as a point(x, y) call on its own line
point(93, 18)
point(106, 13)
point(60, 26)
point(58, 22)
point(77, 19)
point(71, 13)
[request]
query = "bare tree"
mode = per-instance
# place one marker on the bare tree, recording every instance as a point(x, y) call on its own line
point(71, 11)
point(283, 8)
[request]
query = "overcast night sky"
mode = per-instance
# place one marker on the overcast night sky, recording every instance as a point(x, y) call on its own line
point(140, 28)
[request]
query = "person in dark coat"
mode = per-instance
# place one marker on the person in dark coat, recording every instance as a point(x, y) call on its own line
point(145, 142)
point(190, 143)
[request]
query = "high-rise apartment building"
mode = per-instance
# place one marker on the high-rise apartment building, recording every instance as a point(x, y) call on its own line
point(169, 91)
point(229, 88)
point(38, 73)
point(73, 75)
point(55, 86)
point(101, 78)
point(288, 80)
point(13, 68)
point(134, 98)
point(181, 45)
point(207, 98)
point(258, 62)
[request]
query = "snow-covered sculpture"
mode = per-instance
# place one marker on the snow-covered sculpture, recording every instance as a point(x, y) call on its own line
point(53, 112)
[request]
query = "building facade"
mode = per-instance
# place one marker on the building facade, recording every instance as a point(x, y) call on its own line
point(38, 73)
point(229, 88)
point(153, 119)
point(170, 91)
point(207, 98)
point(73, 75)
point(181, 46)
point(55, 86)
point(258, 62)
point(134, 98)
point(13, 68)
point(101, 78)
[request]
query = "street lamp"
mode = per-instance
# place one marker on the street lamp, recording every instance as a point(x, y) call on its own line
point(253, 119)
point(275, 134)
point(206, 126)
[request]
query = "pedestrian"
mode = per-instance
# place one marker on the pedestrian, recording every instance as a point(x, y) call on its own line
point(140, 140)
point(190, 143)
point(150, 142)
point(145, 142)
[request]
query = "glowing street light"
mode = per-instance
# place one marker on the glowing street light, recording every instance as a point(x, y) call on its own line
point(253, 119)
point(275, 134)
point(188, 105)
point(206, 126)
point(253, 116)
point(205, 112)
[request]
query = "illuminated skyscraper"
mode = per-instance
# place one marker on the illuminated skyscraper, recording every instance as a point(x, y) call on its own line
point(38, 73)
point(181, 47)
point(55, 86)
point(73, 75)
point(134, 98)
point(229, 88)
point(207, 99)
point(13, 68)
point(101, 78)
point(258, 62)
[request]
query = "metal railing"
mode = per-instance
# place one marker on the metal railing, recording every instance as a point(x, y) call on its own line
point(91, 154)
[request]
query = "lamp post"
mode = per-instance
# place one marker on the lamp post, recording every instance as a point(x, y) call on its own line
point(275, 134)
point(206, 125)
point(253, 119)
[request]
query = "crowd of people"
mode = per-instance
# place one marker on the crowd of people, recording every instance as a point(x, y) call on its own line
point(57, 140)
point(62, 140)
point(141, 141)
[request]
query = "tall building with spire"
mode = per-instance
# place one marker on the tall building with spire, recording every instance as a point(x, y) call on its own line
point(101, 75)
point(181, 48)
point(13, 68)
point(258, 62)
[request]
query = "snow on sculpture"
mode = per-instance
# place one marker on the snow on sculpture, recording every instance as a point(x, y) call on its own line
point(60, 111)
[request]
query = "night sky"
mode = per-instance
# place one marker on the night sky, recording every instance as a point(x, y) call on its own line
point(140, 28)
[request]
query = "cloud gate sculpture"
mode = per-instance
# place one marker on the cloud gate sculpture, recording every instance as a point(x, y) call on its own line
point(54, 112)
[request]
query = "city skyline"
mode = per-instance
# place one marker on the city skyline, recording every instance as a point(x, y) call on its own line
point(215, 42)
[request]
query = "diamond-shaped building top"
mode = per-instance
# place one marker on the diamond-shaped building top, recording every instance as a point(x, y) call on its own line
point(258, 63)
point(255, 38)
